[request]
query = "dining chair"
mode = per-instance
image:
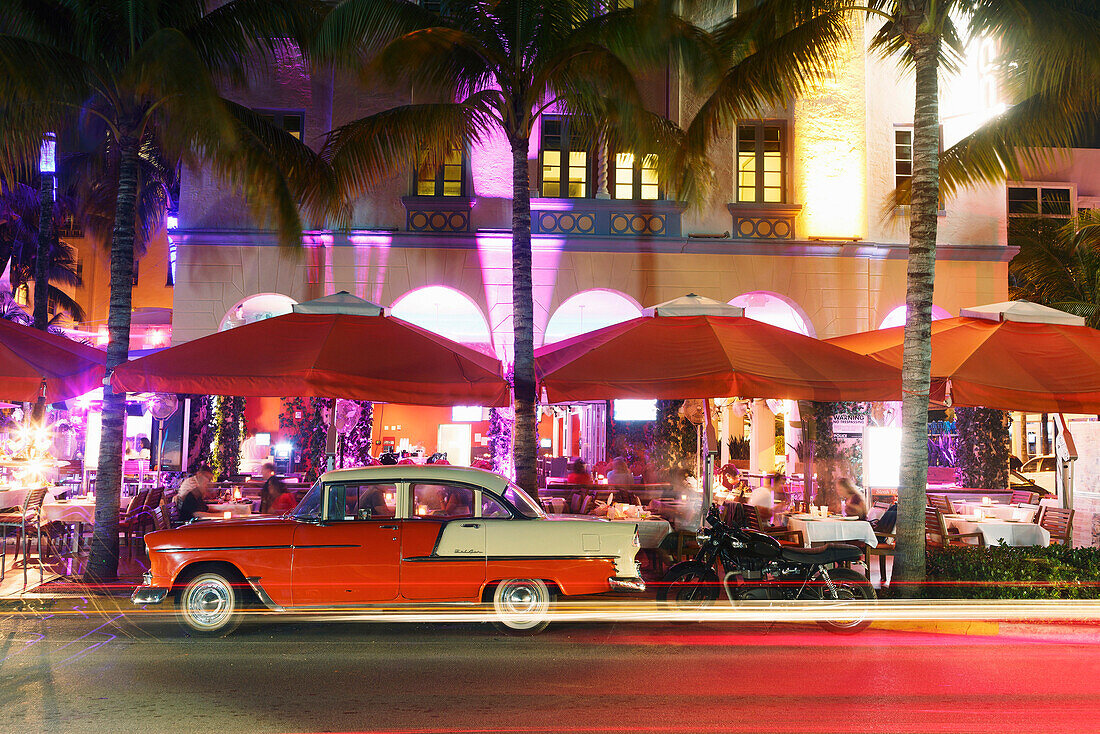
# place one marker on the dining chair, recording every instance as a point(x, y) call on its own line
point(941, 503)
point(586, 505)
point(1024, 496)
point(937, 535)
point(25, 519)
point(1058, 522)
point(1036, 510)
point(885, 548)
point(133, 518)
point(784, 536)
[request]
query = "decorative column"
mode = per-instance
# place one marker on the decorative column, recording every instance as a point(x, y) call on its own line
point(601, 169)
point(1019, 435)
point(762, 438)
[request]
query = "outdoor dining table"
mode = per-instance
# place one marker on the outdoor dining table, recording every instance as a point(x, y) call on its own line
point(76, 512)
point(832, 529)
point(237, 509)
point(995, 510)
point(993, 530)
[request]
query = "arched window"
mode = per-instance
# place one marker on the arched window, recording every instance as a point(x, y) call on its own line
point(588, 311)
point(446, 312)
point(897, 316)
point(256, 308)
point(774, 309)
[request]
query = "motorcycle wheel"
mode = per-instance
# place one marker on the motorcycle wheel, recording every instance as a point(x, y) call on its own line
point(689, 587)
point(850, 585)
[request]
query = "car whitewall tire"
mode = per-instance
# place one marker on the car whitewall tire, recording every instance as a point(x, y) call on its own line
point(209, 605)
point(523, 605)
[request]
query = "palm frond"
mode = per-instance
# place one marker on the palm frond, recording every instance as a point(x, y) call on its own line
point(366, 152)
point(358, 29)
point(765, 65)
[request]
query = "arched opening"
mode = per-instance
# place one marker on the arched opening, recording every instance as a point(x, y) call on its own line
point(256, 308)
point(896, 317)
point(447, 312)
point(772, 308)
point(588, 311)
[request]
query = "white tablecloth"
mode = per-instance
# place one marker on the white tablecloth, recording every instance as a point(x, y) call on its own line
point(997, 510)
point(71, 511)
point(832, 530)
point(238, 510)
point(993, 531)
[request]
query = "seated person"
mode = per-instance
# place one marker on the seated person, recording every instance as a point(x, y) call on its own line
point(282, 500)
point(578, 474)
point(620, 472)
point(372, 503)
point(888, 521)
point(763, 499)
point(854, 504)
point(456, 502)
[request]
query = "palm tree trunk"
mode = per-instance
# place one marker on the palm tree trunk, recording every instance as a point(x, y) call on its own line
point(917, 351)
point(42, 255)
point(524, 447)
point(103, 561)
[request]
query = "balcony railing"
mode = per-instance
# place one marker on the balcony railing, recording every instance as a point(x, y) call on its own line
point(606, 217)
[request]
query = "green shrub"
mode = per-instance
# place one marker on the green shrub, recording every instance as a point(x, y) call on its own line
point(1004, 572)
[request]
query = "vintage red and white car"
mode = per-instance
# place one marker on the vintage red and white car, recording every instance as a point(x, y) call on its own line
point(390, 536)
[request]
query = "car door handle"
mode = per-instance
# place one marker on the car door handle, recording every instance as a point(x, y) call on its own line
point(470, 525)
point(387, 527)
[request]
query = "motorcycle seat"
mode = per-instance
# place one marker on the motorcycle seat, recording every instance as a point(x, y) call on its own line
point(831, 553)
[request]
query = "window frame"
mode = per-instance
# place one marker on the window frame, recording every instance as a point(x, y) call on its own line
point(636, 183)
point(563, 149)
point(908, 127)
point(760, 127)
point(1039, 187)
point(440, 181)
point(278, 118)
point(330, 488)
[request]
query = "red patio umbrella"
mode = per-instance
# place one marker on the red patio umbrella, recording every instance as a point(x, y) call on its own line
point(336, 347)
point(29, 355)
point(707, 355)
point(1012, 356)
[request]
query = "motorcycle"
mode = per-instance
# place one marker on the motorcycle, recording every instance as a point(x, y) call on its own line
point(756, 567)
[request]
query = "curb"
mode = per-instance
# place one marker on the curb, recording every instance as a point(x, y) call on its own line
point(947, 627)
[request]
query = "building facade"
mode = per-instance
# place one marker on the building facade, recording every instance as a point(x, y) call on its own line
point(796, 227)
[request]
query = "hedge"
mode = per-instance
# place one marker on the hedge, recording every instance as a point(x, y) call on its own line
point(1004, 572)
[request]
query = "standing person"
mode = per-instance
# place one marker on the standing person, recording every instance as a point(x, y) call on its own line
point(193, 493)
point(620, 472)
point(272, 489)
point(578, 474)
point(854, 504)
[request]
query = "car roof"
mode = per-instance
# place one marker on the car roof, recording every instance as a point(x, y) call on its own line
point(431, 472)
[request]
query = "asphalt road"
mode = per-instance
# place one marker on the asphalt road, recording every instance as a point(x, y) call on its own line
point(83, 670)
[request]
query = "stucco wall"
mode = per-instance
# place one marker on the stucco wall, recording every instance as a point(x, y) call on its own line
point(974, 216)
point(838, 294)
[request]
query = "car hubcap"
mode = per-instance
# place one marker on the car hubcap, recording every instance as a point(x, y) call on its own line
point(209, 604)
point(520, 600)
point(521, 604)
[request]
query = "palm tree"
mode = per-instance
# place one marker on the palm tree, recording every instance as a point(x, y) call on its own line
point(1051, 60)
point(20, 210)
point(479, 67)
point(148, 72)
point(1060, 267)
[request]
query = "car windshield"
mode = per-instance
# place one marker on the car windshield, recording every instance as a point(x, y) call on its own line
point(310, 506)
point(522, 502)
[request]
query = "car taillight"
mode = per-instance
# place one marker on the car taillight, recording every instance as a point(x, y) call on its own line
point(637, 540)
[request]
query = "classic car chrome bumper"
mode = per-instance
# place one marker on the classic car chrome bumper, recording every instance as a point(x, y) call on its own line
point(148, 594)
point(622, 583)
